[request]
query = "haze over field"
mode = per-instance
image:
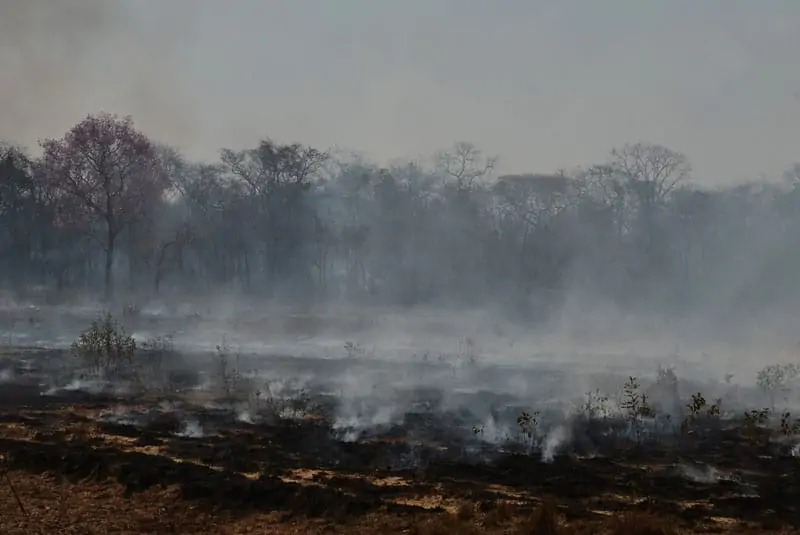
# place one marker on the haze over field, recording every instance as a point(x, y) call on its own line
point(619, 172)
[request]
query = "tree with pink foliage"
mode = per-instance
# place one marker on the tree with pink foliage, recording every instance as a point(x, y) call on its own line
point(110, 171)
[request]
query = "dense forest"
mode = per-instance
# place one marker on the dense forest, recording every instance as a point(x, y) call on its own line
point(106, 211)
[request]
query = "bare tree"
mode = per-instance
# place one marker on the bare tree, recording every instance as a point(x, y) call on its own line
point(465, 164)
point(653, 170)
point(534, 199)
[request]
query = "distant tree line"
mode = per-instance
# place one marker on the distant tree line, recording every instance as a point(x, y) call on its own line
point(105, 209)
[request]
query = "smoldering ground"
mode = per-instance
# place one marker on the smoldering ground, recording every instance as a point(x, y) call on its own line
point(373, 377)
point(385, 408)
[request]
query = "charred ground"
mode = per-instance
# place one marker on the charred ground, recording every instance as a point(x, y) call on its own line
point(201, 442)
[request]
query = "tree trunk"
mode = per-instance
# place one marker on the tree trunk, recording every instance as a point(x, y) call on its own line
point(132, 260)
point(246, 269)
point(157, 280)
point(109, 280)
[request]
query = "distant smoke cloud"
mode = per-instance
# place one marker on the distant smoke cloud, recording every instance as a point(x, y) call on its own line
point(62, 60)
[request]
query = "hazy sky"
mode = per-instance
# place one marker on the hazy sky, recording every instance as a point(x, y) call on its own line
point(544, 84)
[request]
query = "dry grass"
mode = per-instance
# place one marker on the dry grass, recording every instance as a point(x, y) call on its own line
point(501, 512)
point(545, 520)
point(641, 524)
point(91, 507)
point(445, 525)
point(99, 508)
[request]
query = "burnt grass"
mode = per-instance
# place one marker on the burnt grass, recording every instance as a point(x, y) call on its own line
point(300, 467)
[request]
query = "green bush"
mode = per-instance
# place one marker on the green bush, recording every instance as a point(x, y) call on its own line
point(105, 345)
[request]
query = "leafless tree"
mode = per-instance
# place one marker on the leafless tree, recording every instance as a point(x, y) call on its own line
point(653, 170)
point(465, 164)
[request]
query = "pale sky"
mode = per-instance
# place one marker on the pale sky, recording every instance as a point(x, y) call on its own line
point(543, 84)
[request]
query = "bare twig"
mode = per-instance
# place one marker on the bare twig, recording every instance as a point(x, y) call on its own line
point(14, 492)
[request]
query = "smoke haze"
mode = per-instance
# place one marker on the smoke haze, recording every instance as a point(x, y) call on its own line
point(62, 60)
point(546, 85)
point(594, 259)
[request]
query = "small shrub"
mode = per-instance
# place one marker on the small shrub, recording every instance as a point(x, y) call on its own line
point(754, 420)
point(636, 406)
point(757, 417)
point(105, 345)
point(528, 422)
point(788, 427)
point(633, 403)
point(697, 406)
point(713, 410)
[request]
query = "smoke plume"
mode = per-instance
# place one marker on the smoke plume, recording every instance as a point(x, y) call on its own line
point(62, 60)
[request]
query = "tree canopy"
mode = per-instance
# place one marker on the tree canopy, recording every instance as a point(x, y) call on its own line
point(104, 203)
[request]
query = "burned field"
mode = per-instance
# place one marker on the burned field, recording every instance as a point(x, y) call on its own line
point(103, 437)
